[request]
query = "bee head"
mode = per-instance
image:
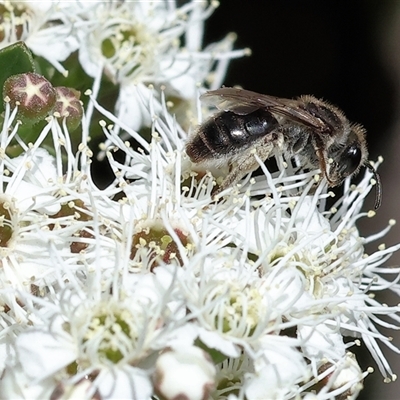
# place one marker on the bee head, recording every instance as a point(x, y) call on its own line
point(347, 159)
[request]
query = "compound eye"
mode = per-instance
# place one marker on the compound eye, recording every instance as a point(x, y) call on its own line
point(350, 160)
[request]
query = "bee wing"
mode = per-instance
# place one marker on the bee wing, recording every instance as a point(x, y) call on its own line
point(241, 101)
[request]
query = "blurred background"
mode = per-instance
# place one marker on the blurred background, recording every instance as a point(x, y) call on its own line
point(347, 52)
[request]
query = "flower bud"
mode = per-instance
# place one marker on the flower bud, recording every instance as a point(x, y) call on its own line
point(186, 373)
point(69, 106)
point(32, 93)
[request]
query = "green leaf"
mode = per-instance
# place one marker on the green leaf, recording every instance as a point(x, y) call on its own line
point(14, 59)
point(215, 355)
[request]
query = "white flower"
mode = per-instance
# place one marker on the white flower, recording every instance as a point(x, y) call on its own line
point(140, 43)
point(105, 335)
point(29, 191)
point(151, 286)
point(38, 209)
point(305, 264)
point(278, 370)
point(339, 380)
point(41, 25)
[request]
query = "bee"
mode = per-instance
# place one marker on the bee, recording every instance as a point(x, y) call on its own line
point(250, 123)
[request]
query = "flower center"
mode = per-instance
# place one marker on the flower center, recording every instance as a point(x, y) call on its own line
point(157, 245)
point(109, 329)
point(128, 48)
point(238, 311)
point(75, 209)
point(110, 332)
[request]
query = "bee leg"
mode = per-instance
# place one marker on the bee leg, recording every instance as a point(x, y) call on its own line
point(242, 164)
point(233, 177)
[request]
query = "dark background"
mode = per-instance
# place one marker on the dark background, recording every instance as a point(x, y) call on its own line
point(341, 51)
point(331, 49)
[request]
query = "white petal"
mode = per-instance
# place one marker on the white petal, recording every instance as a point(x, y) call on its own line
point(321, 340)
point(130, 108)
point(277, 372)
point(15, 384)
point(43, 354)
point(125, 383)
point(54, 43)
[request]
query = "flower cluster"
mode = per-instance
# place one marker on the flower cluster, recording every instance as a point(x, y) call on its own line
point(150, 287)
point(129, 43)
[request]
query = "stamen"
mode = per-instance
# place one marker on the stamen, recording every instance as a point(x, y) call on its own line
point(378, 196)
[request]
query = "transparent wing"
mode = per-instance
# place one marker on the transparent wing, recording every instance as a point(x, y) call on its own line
point(241, 101)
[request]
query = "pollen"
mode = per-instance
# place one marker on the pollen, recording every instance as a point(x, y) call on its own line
point(155, 244)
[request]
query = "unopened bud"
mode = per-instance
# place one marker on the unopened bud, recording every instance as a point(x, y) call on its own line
point(187, 373)
point(32, 93)
point(69, 106)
